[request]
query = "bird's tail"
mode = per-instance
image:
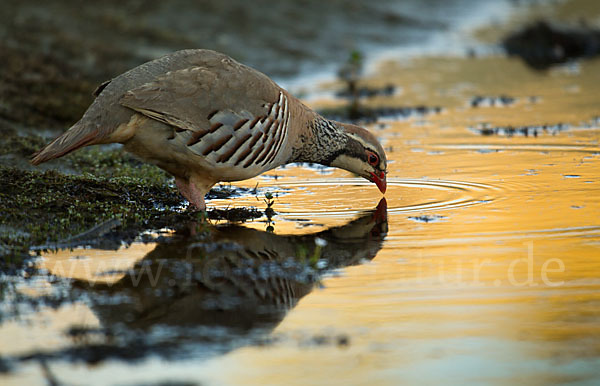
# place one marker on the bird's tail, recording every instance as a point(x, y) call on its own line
point(74, 138)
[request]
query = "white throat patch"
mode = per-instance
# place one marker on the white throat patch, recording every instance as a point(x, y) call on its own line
point(350, 164)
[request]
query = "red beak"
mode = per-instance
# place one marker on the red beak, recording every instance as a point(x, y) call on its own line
point(380, 181)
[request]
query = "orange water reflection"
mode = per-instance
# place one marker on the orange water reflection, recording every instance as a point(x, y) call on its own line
point(502, 289)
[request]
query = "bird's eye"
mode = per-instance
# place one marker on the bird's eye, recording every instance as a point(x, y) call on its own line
point(373, 159)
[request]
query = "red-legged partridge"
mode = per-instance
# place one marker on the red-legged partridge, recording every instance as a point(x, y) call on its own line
point(205, 118)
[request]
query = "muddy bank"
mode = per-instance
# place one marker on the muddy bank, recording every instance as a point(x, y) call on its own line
point(544, 43)
point(55, 209)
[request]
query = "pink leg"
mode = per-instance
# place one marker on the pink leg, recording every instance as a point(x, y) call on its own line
point(197, 197)
point(191, 193)
point(182, 185)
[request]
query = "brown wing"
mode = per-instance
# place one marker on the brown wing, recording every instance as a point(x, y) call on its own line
point(186, 97)
point(230, 114)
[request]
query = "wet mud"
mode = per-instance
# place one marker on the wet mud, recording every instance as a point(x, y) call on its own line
point(489, 101)
point(362, 114)
point(526, 131)
point(544, 44)
point(60, 210)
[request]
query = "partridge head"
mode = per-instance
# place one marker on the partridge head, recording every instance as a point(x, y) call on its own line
point(363, 155)
point(205, 118)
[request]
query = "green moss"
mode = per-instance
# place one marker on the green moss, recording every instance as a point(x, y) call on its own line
point(52, 206)
point(41, 208)
point(115, 163)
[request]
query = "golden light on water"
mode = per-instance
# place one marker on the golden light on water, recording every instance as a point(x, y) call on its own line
point(508, 282)
point(491, 260)
point(94, 264)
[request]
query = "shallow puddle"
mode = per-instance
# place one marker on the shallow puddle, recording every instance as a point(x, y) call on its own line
point(481, 264)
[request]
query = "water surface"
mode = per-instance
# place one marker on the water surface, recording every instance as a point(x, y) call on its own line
point(481, 265)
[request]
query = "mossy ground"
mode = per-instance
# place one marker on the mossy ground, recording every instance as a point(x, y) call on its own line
point(93, 186)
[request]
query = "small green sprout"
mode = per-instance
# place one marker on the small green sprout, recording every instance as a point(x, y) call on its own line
point(269, 212)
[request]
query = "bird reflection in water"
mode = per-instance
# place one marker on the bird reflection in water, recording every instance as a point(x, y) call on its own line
point(228, 278)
